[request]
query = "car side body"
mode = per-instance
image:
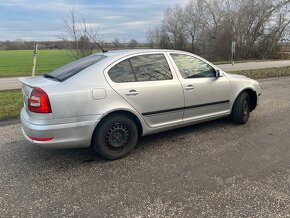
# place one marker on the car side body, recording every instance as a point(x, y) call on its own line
point(81, 102)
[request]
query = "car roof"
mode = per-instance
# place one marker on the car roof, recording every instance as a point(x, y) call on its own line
point(126, 52)
point(115, 55)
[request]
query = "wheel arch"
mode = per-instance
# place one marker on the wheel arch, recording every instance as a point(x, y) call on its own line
point(253, 98)
point(129, 114)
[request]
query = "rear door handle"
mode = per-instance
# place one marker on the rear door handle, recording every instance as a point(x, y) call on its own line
point(132, 93)
point(189, 87)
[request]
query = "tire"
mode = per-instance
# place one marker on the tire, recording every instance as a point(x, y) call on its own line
point(115, 137)
point(241, 109)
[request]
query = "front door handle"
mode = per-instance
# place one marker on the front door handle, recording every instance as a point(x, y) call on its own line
point(132, 93)
point(189, 87)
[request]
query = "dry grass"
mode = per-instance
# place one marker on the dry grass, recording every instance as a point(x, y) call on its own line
point(265, 73)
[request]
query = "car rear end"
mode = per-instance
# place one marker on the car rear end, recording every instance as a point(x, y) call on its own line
point(40, 123)
point(56, 111)
point(36, 107)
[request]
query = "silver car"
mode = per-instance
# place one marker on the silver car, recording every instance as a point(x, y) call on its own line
point(108, 100)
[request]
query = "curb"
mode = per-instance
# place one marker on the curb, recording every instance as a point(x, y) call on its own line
point(10, 122)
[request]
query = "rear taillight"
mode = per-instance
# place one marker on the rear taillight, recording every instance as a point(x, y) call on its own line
point(39, 101)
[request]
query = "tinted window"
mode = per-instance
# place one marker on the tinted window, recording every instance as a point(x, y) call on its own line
point(191, 67)
point(151, 67)
point(75, 67)
point(122, 72)
point(141, 68)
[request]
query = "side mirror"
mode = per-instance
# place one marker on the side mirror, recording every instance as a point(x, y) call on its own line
point(218, 74)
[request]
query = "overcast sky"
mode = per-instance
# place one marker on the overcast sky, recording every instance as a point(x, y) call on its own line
point(43, 19)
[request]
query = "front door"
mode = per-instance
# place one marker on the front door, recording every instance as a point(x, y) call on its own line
point(205, 94)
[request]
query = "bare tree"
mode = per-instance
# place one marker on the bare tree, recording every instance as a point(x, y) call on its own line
point(174, 24)
point(158, 38)
point(116, 43)
point(196, 16)
point(80, 37)
point(133, 43)
point(209, 26)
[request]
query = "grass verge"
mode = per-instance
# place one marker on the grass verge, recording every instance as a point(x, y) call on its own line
point(10, 104)
point(264, 73)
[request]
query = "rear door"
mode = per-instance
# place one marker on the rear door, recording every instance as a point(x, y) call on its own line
point(206, 96)
point(146, 81)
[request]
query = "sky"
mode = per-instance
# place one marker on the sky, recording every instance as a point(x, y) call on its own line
point(34, 20)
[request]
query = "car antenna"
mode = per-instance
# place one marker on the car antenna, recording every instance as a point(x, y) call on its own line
point(97, 43)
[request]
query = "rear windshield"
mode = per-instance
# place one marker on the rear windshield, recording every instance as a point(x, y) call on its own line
point(75, 67)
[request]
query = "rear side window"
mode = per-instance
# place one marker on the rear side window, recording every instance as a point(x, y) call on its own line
point(151, 67)
point(71, 69)
point(122, 72)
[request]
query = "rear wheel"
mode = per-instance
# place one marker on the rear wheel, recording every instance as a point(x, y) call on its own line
point(115, 137)
point(241, 109)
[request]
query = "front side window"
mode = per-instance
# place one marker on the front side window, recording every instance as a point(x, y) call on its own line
point(150, 67)
point(191, 67)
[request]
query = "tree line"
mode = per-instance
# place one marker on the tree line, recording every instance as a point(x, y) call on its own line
point(208, 28)
point(61, 44)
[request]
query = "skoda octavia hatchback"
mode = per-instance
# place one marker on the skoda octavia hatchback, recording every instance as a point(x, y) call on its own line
point(108, 100)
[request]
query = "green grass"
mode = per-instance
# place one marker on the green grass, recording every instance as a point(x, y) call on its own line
point(264, 73)
point(19, 62)
point(10, 104)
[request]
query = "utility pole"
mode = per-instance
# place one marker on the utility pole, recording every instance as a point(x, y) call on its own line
point(233, 52)
point(34, 58)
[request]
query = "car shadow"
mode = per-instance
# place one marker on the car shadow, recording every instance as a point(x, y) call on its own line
point(73, 157)
point(147, 142)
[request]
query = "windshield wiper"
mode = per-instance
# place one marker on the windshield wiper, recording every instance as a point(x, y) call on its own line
point(46, 75)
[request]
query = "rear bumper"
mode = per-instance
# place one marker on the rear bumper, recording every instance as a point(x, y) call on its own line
point(66, 135)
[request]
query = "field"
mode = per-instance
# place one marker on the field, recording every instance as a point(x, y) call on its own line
point(19, 62)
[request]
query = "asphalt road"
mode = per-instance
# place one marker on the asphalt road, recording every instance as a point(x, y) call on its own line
point(215, 169)
point(13, 83)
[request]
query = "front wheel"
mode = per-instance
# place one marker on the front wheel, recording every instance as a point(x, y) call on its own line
point(241, 109)
point(115, 137)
